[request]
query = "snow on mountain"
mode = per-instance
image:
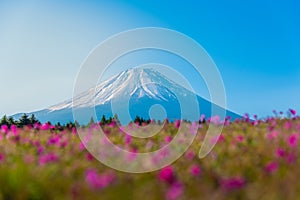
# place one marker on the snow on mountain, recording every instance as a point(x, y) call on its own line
point(143, 87)
point(141, 81)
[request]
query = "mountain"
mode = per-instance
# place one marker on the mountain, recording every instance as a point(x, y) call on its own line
point(131, 93)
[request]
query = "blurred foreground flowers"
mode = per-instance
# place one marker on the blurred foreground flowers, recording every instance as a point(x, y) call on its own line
point(253, 159)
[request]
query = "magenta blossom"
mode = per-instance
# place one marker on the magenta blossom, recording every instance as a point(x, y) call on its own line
point(272, 135)
point(177, 124)
point(14, 129)
point(45, 126)
point(168, 138)
point(190, 155)
point(221, 138)
point(4, 128)
point(81, 146)
point(195, 170)
point(291, 157)
point(287, 125)
point(175, 191)
point(113, 124)
point(233, 183)
point(54, 139)
point(48, 158)
point(240, 138)
point(292, 140)
point(271, 167)
point(2, 157)
point(89, 156)
point(98, 181)
point(280, 152)
point(215, 120)
point(40, 150)
point(293, 112)
point(127, 139)
point(167, 175)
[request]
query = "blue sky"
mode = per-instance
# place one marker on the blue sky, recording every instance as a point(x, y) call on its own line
point(255, 45)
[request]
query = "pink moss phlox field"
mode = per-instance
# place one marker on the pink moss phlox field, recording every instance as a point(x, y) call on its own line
point(254, 158)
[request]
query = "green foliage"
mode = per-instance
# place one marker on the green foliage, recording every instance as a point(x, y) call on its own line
point(24, 120)
point(104, 120)
point(140, 120)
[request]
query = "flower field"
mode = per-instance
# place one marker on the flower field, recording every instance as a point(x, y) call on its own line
point(253, 159)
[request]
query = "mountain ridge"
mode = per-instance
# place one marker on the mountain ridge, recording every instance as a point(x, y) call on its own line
point(142, 87)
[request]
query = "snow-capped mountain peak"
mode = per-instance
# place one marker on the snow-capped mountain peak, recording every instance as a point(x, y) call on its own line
point(143, 88)
point(138, 82)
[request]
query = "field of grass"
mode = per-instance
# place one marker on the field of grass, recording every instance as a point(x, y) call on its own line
point(252, 160)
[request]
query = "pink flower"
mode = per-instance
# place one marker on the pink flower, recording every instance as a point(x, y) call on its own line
point(40, 150)
point(74, 131)
point(168, 139)
point(89, 156)
point(215, 120)
point(291, 158)
point(287, 125)
point(48, 158)
point(255, 123)
point(127, 139)
point(63, 143)
point(4, 128)
point(202, 118)
point(195, 170)
point(272, 135)
point(113, 124)
point(98, 181)
point(177, 124)
point(175, 191)
point(221, 138)
point(36, 126)
point(271, 167)
point(132, 155)
point(293, 112)
point(232, 183)
point(2, 157)
point(240, 138)
point(216, 139)
point(45, 126)
point(194, 128)
point(167, 175)
point(81, 146)
point(14, 129)
point(190, 155)
point(292, 140)
point(54, 139)
point(280, 152)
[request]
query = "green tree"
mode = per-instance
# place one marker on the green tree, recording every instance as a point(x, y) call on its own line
point(24, 120)
point(33, 120)
point(103, 120)
point(91, 122)
point(12, 121)
point(4, 121)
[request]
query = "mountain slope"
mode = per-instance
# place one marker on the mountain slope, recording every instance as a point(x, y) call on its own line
point(132, 92)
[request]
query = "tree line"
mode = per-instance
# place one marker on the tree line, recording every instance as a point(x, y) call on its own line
point(26, 120)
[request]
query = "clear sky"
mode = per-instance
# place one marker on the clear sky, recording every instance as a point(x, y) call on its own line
point(255, 44)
